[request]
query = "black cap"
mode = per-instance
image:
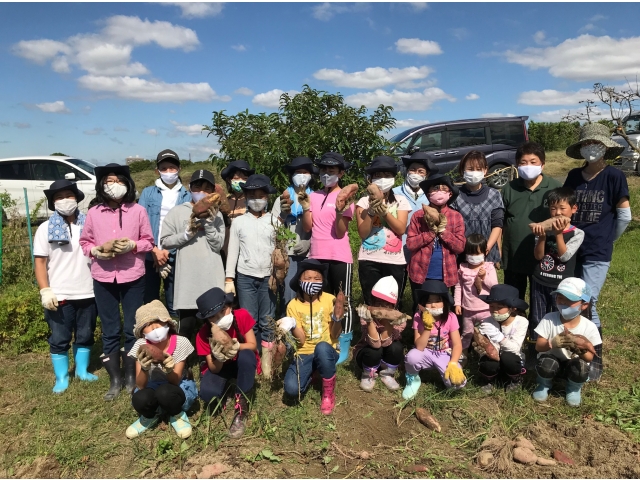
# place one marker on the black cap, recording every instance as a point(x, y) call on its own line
point(168, 156)
point(241, 165)
point(382, 163)
point(506, 295)
point(435, 287)
point(303, 266)
point(300, 162)
point(58, 186)
point(257, 181)
point(116, 168)
point(440, 179)
point(333, 159)
point(203, 175)
point(422, 158)
point(211, 302)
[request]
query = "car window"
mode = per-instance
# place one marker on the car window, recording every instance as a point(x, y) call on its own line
point(402, 147)
point(87, 167)
point(632, 125)
point(48, 170)
point(429, 140)
point(15, 170)
point(507, 133)
point(467, 137)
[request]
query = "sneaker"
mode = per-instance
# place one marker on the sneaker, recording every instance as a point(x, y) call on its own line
point(488, 388)
point(368, 379)
point(181, 425)
point(141, 425)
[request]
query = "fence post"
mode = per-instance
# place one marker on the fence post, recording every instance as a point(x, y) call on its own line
point(26, 204)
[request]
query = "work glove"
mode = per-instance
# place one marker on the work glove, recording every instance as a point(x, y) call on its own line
point(216, 351)
point(285, 205)
point(164, 270)
point(144, 360)
point(192, 228)
point(492, 332)
point(229, 287)
point(123, 245)
point(304, 201)
point(168, 364)
point(479, 349)
point(97, 252)
point(286, 323)
point(431, 215)
point(442, 224)
point(563, 341)
point(233, 351)
point(427, 320)
point(454, 374)
point(49, 299)
point(364, 313)
point(302, 247)
point(379, 208)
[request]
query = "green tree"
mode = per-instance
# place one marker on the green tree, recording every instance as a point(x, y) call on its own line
point(58, 154)
point(308, 124)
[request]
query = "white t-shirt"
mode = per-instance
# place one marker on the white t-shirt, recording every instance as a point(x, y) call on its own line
point(551, 325)
point(68, 269)
point(169, 199)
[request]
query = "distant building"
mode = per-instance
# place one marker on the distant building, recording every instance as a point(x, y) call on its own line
point(131, 160)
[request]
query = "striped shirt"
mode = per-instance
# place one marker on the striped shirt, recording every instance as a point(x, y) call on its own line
point(182, 351)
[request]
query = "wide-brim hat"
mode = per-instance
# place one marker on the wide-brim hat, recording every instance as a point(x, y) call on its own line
point(440, 179)
point(506, 295)
point(230, 169)
point(116, 168)
point(153, 311)
point(382, 163)
point(599, 132)
point(301, 162)
point(168, 156)
point(211, 302)
point(333, 159)
point(257, 181)
point(423, 158)
point(435, 287)
point(58, 186)
point(303, 266)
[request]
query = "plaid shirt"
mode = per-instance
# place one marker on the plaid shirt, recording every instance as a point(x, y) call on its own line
point(420, 243)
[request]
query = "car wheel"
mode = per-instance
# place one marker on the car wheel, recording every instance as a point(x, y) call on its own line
point(500, 179)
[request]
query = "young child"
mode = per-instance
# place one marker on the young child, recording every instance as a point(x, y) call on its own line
point(162, 388)
point(239, 363)
point(436, 338)
point(475, 277)
point(311, 318)
point(234, 175)
point(558, 355)
point(380, 344)
point(556, 255)
point(506, 328)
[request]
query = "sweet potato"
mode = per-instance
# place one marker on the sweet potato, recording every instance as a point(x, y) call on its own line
point(279, 268)
point(225, 208)
point(563, 457)
point(524, 443)
point(428, 420)
point(548, 223)
point(486, 344)
point(374, 192)
point(285, 198)
point(201, 207)
point(152, 351)
point(546, 462)
point(345, 197)
point(395, 317)
point(220, 336)
point(339, 304)
point(524, 455)
point(581, 343)
point(484, 459)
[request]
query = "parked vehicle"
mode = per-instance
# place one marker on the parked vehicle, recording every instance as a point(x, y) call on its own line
point(37, 173)
point(629, 158)
point(447, 142)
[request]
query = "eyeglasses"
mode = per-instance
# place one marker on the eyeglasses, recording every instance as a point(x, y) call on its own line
point(441, 188)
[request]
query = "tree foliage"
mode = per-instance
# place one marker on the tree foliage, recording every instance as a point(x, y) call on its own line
point(58, 154)
point(555, 136)
point(308, 124)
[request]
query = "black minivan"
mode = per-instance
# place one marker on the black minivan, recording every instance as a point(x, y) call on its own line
point(447, 142)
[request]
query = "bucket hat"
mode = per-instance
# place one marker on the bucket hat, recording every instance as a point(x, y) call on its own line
point(435, 287)
point(382, 163)
point(303, 266)
point(506, 295)
point(440, 179)
point(599, 132)
point(230, 169)
point(301, 162)
point(333, 159)
point(257, 181)
point(152, 312)
point(116, 168)
point(211, 302)
point(424, 159)
point(58, 186)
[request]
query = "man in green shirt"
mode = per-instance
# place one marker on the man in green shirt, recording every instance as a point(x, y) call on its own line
point(525, 202)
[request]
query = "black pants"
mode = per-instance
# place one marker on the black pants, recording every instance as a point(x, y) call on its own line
point(339, 276)
point(414, 294)
point(371, 357)
point(549, 366)
point(189, 324)
point(509, 364)
point(542, 302)
point(370, 272)
point(518, 280)
point(167, 396)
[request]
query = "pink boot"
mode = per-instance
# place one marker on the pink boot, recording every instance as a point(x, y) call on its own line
point(328, 395)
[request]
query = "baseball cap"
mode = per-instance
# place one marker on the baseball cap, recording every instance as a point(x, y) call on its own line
point(202, 175)
point(386, 289)
point(168, 156)
point(574, 289)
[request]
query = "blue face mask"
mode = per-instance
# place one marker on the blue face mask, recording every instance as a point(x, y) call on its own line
point(570, 312)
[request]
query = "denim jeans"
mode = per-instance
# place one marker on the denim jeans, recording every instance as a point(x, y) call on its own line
point(594, 274)
point(212, 385)
point(152, 285)
point(256, 297)
point(73, 317)
point(323, 359)
point(109, 297)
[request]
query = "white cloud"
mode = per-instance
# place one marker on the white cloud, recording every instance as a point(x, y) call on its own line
point(326, 11)
point(460, 33)
point(555, 97)
point(589, 27)
point(584, 58)
point(191, 130)
point(199, 9)
point(40, 51)
point(271, 99)
point(597, 18)
point(132, 30)
point(372, 77)
point(206, 149)
point(549, 116)
point(418, 47)
point(53, 107)
point(239, 48)
point(497, 115)
point(410, 122)
point(132, 88)
point(151, 131)
point(419, 6)
point(540, 38)
point(472, 96)
point(244, 91)
point(400, 100)
point(93, 131)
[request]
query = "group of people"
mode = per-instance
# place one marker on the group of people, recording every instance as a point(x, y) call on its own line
point(216, 270)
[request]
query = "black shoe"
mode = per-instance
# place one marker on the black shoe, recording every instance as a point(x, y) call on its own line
point(111, 364)
point(129, 366)
point(239, 423)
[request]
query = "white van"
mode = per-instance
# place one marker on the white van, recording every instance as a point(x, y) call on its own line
point(37, 173)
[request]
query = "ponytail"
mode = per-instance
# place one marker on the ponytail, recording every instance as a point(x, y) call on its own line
point(239, 334)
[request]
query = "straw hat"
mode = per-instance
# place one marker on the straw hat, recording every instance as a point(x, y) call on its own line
point(599, 132)
point(152, 312)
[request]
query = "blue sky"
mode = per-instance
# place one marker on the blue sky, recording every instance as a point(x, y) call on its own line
point(103, 81)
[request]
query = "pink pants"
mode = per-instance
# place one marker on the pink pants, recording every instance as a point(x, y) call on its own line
point(416, 360)
point(469, 320)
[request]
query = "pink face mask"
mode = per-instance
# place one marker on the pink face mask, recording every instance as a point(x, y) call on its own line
point(439, 197)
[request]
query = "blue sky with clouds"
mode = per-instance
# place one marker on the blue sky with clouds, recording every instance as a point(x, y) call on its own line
point(103, 81)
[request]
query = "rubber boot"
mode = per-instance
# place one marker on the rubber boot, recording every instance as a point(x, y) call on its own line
point(141, 425)
point(81, 357)
point(368, 378)
point(60, 363)
point(239, 423)
point(266, 358)
point(345, 345)
point(489, 386)
point(111, 364)
point(328, 401)
point(541, 392)
point(413, 384)
point(572, 396)
point(181, 424)
point(129, 367)
point(387, 376)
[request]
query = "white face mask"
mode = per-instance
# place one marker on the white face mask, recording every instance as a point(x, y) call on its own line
point(473, 177)
point(115, 190)
point(593, 153)
point(169, 178)
point(530, 172)
point(225, 322)
point(500, 317)
point(66, 206)
point(329, 180)
point(157, 335)
point(413, 180)
point(257, 204)
point(301, 179)
point(435, 311)
point(475, 259)
point(384, 184)
point(197, 196)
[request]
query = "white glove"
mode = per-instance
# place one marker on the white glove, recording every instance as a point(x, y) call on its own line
point(302, 247)
point(124, 245)
point(286, 323)
point(233, 351)
point(491, 332)
point(229, 287)
point(164, 270)
point(100, 255)
point(49, 299)
point(192, 228)
point(216, 351)
point(364, 313)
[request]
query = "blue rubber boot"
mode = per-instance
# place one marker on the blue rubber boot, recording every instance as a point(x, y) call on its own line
point(413, 384)
point(81, 357)
point(60, 363)
point(573, 393)
point(541, 393)
point(345, 345)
